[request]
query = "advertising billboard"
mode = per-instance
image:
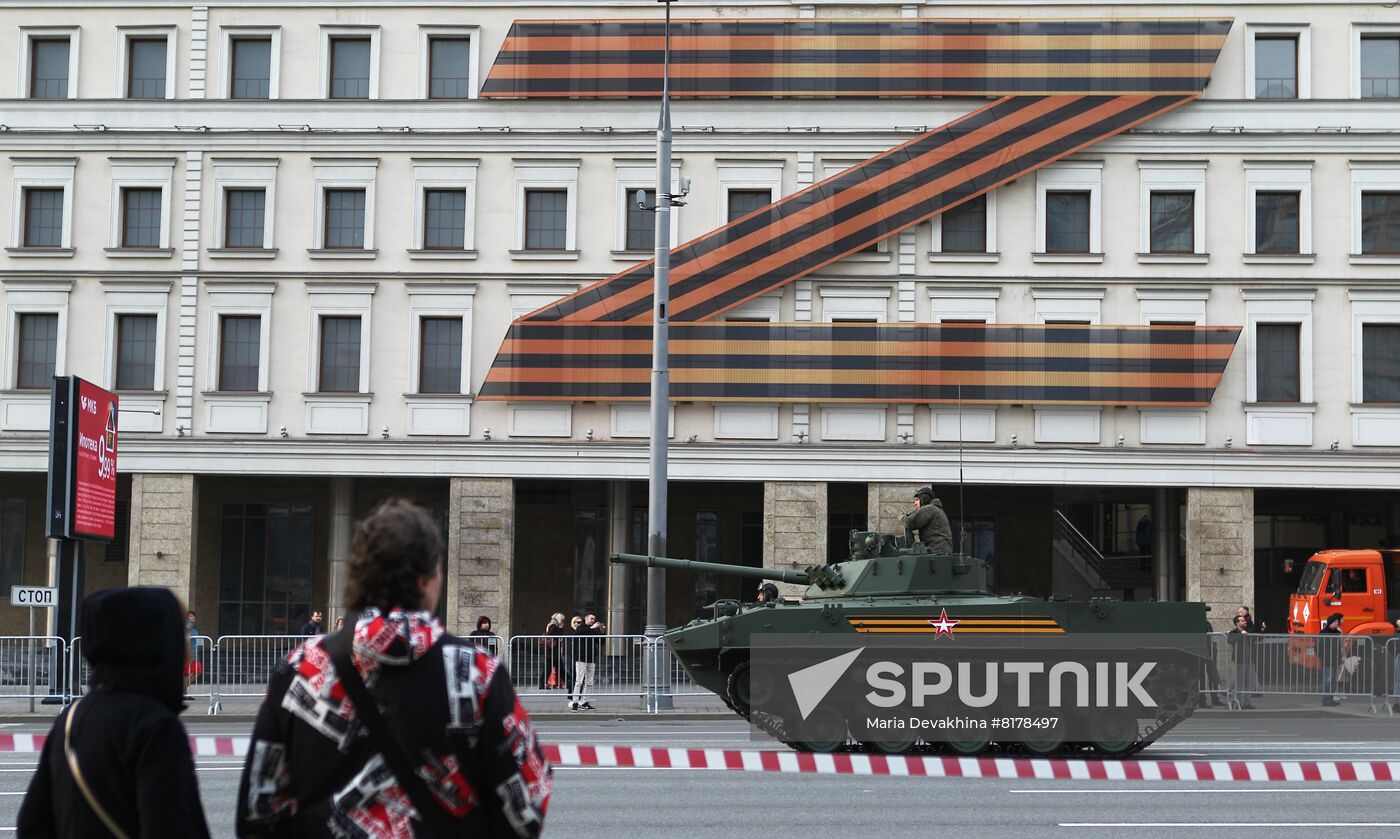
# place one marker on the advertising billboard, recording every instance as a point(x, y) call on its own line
point(82, 461)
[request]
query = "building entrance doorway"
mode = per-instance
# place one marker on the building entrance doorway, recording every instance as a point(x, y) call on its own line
point(265, 569)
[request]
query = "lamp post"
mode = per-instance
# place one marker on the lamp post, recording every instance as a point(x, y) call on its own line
point(659, 675)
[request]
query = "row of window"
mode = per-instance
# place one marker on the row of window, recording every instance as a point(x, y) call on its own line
point(1173, 218)
point(350, 62)
point(1277, 65)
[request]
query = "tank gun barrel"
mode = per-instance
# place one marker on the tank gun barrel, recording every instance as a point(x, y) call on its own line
point(782, 575)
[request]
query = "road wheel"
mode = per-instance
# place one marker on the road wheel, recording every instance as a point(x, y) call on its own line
point(1049, 743)
point(1115, 732)
point(902, 746)
point(968, 748)
point(823, 731)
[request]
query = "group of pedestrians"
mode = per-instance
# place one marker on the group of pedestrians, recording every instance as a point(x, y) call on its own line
point(570, 656)
point(388, 727)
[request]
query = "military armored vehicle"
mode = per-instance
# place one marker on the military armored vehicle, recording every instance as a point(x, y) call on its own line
point(889, 586)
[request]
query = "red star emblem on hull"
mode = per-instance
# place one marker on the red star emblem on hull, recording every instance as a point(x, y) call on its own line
point(944, 624)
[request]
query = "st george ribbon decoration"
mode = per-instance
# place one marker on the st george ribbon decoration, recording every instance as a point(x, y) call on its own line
point(1062, 86)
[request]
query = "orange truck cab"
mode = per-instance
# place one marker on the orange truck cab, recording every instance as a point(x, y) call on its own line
point(1363, 585)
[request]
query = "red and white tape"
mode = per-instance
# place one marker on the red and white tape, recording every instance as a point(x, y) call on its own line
point(926, 766)
point(938, 766)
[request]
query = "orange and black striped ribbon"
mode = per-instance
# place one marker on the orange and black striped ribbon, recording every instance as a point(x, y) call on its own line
point(890, 192)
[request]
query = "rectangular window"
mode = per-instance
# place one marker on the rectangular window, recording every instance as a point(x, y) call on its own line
point(440, 356)
point(251, 76)
point(1066, 222)
point(1276, 222)
point(1276, 67)
point(48, 68)
point(240, 343)
point(1277, 356)
point(136, 352)
point(444, 219)
point(145, 68)
point(12, 534)
point(546, 219)
point(641, 224)
point(1380, 223)
point(1380, 67)
point(345, 218)
point(1380, 362)
point(38, 351)
point(1173, 222)
point(140, 218)
point(745, 201)
point(340, 355)
point(243, 217)
point(350, 68)
point(965, 227)
point(43, 218)
point(449, 68)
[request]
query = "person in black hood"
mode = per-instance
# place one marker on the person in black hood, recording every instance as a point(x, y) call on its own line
point(135, 774)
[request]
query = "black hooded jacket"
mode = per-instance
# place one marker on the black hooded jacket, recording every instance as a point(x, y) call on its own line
point(131, 747)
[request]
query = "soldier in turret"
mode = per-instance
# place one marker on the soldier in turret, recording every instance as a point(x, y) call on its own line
point(928, 521)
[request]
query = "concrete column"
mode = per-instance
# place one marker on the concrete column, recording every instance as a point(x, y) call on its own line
point(618, 521)
point(480, 553)
point(794, 527)
point(887, 502)
point(1220, 550)
point(162, 548)
point(341, 532)
point(1161, 544)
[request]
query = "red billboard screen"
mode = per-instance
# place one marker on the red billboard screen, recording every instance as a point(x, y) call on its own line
point(82, 461)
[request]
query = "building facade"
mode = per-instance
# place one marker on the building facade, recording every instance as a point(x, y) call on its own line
point(294, 239)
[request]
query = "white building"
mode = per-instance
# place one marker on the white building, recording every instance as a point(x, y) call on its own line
point(293, 237)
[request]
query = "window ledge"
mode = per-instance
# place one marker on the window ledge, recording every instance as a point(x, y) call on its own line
point(442, 397)
point(1375, 407)
point(242, 253)
point(629, 256)
point(557, 255)
point(1280, 258)
point(1067, 257)
point(342, 253)
point(239, 395)
point(143, 394)
point(338, 397)
point(1283, 407)
point(1174, 258)
point(140, 253)
point(38, 393)
point(440, 253)
point(48, 252)
point(1374, 258)
point(945, 256)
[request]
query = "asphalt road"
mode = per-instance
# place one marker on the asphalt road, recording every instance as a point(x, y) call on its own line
point(688, 804)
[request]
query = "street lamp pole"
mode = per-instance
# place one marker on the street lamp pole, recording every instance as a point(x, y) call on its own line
point(660, 390)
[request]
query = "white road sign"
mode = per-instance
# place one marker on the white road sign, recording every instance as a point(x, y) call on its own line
point(33, 596)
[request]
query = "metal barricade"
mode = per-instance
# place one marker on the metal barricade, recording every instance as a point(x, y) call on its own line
point(493, 644)
point(1391, 669)
point(680, 683)
point(1214, 690)
point(243, 663)
point(574, 666)
point(27, 665)
point(1326, 666)
point(199, 671)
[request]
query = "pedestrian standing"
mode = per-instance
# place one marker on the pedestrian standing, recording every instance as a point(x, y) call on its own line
point(554, 675)
point(1329, 654)
point(588, 645)
point(482, 636)
point(117, 762)
point(392, 727)
point(315, 626)
point(1242, 646)
point(194, 666)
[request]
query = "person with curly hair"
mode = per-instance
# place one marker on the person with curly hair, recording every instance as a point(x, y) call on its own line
point(391, 727)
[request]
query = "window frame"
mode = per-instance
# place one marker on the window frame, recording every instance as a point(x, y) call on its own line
point(443, 173)
point(29, 34)
point(439, 301)
point(343, 173)
point(126, 231)
point(237, 299)
point(1068, 304)
point(24, 297)
point(1172, 176)
point(338, 300)
point(243, 173)
point(551, 173)
point(831, 167)
point(1279, 176)
point(989, 237)
point(1379, 308)
point(855, 303)
point(1176, 305)
point(426, 33)
point(26, 194)
point(126, 34)
point(230, 34)
point(963, 304)
point(218, 352)
point(331, 32)
point(1302, 32)
point(1072, 176)
point(1298, 328)
point(1359, 32)
point(1274, 306)
point(41, 173)
point(743, 173)
point(1370, 176)
point(17, 326)
point(639, 173)
point(125, 297)
point(141, 173)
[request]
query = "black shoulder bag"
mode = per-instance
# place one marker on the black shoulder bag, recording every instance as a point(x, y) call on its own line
point(434, 816)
